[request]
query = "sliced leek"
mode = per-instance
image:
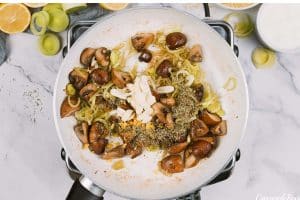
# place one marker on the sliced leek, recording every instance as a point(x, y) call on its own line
point(59, 20)
point(263, 58)
point(241, 23)
point(39, 22)
point(230, 84)
point(49, 44)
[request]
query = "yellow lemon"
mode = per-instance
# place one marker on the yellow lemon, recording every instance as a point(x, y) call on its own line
point(114, 6)
point(14, 18)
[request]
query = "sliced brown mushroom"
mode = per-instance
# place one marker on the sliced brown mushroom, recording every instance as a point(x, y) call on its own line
point(200, 148)
point(66, 109)
point(119, 78)
point(196, 54)
point(169, 101)
point(81, 131)
point(88, 91)
point(145, 56)
point(169, 121)
point(86, 56)
point(133, 150)
point(99, 76)
point(141, 41)
point(99, 146)
point(97, 139)
point(219, 129)
point(210, 119)
point(117, 152)
point(159, 111)
point(175, 40)
point(198, 129)
point(97, 130)
point(127, 137)
point(210, 139)
point(164, 68)
point(78, 77)
point(199, 92)
point(102, 56)
point(172, 164)
point(190, 160)
point(177, 148)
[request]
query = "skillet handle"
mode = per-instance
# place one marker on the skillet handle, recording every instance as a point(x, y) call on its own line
point(84, 189)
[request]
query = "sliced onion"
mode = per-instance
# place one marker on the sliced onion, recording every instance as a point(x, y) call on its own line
point(241, 23)
point(59, 20)
point(263, 58)
point(49, 44)
point(39, 20)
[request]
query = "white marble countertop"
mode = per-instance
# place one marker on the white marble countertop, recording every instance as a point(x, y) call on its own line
point(30, 163)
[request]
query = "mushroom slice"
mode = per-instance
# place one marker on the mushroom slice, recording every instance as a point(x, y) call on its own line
point(210, 139)
point(86, 56)
point(103, 56)
point(169, 101)
point(169, 121)
point(196, 54)
point(210, 119)
point(172, 164)
point(97, 130)
point(141, 41)
point(88, 91)
point(198, 129)
point(81, 131)
point(66, 109)
point(190, 160)
point(200, 148)
point(78, 77)
point(117, 152)
point(159, 111)
point(99, 76)
point(133, 150)
point(96, 137)
point(119, 78)
point(220, 129)
point(177, 148)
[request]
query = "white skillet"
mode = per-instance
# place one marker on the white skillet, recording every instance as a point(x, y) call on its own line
point(140, 179)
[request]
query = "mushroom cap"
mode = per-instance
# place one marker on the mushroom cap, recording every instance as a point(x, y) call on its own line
point(86, 56)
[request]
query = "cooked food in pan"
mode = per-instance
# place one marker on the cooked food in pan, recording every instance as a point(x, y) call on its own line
point(148, 93)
